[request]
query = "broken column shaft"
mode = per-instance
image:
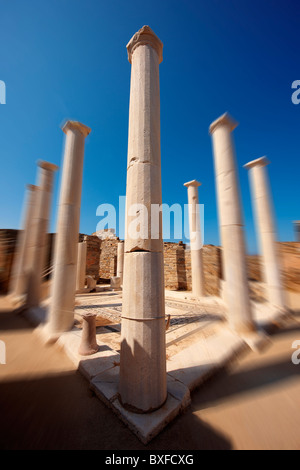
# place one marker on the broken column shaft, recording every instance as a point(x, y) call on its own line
point(61, 311)
point(143, 350)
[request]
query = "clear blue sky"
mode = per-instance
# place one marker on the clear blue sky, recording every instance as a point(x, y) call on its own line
point(67, 59)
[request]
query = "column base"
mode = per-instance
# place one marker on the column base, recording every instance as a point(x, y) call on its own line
point(46, 336)
point(143, 365)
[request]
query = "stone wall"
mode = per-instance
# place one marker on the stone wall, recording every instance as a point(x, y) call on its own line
point(92, 254)
point(102, 263)
point(290, 253)
point(7, 248)
point(178, 267)
point(177, 259)
point(101, 257)
point(8, 243)
point(108, 259)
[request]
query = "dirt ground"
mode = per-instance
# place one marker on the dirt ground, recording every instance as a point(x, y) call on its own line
point(46, 404)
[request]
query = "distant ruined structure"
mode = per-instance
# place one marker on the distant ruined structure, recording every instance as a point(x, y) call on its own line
point(101, 263)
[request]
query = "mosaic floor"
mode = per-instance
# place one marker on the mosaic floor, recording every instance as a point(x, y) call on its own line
point(109, 305)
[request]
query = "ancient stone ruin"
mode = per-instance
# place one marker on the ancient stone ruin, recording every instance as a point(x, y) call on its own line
point(175, 313)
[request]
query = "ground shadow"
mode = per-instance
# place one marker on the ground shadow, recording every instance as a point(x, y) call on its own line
point(194, 318)
point(60, 412)
point(99, 306)
point(18, 323)
point(277, 331)
point(228, 383)
point(296, 313)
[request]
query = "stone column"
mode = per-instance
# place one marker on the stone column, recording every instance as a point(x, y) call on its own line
point(198, 285)
point(39, 227)
point(61, 311)
point(263, 208)
point(297, 230)
point(120, 261)
point(143, 349)
point(18, 278)
point(81, 267)
point(231, 226)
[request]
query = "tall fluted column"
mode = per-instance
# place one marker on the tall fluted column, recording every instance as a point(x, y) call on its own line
point(18, 282)
point(39, 227)
point(231, 225)
point(263, 208)
point(198, 285)
point(61, 311)
point(143, 349)
point(81, 266)
point(120, 261)
point(297, 230)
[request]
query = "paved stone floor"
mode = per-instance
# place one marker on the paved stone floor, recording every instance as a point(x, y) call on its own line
point(46, 404)
point(253, 403)
point(198, 344)
point(189, 319)
point(109, 305)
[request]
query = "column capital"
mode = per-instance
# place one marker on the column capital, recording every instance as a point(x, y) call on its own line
point(32, 187)
point(76, 126)
point(143, 37)
point(224, 120)
point(192, 183)
point(262, 161)
point(47, 165)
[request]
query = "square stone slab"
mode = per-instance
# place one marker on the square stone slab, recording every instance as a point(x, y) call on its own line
point(195, 364)
point(89, 366)
point(148, 425)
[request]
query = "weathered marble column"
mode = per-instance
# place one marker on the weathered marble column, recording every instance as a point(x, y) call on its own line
point(297, 230)
point(263, 208)
point(120, 261)
point(81, 266)
point(61, 311)
point(231, 225)
point(198, 285)
point(39, 228)
point(143, 349)
point(18, 278)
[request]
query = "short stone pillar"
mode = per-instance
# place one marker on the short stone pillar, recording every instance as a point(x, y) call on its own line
point(91, 283)
point(61, 311)
point(198, 284)
point(297, 230)
point(120, 261)
point(263, 208)
point(143, 386)
point(115, 283)
point(39, 228)
point(81, 267)
point(18, 282)
point(231, 226)
point(88, 345)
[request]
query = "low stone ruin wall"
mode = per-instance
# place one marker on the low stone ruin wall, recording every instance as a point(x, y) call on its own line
point(102, 263)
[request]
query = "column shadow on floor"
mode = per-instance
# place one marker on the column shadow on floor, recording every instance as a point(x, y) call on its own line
point(60, 412)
